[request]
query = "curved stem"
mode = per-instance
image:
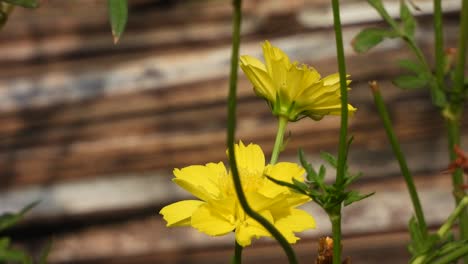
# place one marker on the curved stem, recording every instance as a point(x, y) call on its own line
point(282, 123)
point(232, 103)
point(400, 157)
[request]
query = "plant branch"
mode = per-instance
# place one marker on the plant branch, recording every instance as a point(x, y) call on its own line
point(232, 103)
point(282, 123)
point(381, 108)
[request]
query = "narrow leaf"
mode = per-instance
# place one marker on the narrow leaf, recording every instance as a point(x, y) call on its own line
point(410, 81)
point(9, 219)
point(370, 37)
point(118, 15)
point(329, 158)
point(23, 3)
point(355, 196)
point(287, 184)
point(407, 19)
point(411, 66)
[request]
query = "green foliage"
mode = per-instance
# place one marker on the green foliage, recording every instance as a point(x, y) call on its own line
point(434, 249)
point(7, 220)
point(371, 37)
point(23, 3)
point(118, 16)
point(410, 81)
point(408, 23)
point(328, 196)
point(9, 254)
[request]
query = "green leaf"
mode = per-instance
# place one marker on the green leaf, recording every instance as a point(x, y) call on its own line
point(407, 20)
point(9, 219)
point(410, 81)
point(311, 173)
point(371, 37)
point(301, 189)
point(23, 3)
point(411, 66)
point(322, 173)
point(379, 7)
point(329, 158)
point(118, 16)
point(355, 196)
point(438, 96)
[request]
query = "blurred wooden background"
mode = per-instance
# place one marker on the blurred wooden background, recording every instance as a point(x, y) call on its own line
point(94, 130)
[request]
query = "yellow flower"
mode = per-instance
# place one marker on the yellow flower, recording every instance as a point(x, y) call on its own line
point(218, 212)
point(292, 90)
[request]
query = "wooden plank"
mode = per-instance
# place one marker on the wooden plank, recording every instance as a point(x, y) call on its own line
point(387, 248)
point(46, 46)
point(386, 212)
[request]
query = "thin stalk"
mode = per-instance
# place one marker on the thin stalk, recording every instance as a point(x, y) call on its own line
point(453, 129)
point(452, 256)
point(461, 50)
point(400, 157)
point(282, 123)
point(456, 106)
point(439, 44)
point(447, 226)
point(341, 166)
point(336, 230)
point(232, 103)
point(237, 258)
point(344, 93)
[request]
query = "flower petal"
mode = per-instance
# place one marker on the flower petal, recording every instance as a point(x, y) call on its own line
point(179, 213)
point(296, 221)
point(250, 159)
point(201, 181)
point(283, 171)
point(252, 229)
point(207, 220)
point(257, 75)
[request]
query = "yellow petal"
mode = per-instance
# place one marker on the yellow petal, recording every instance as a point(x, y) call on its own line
point(283, 171)
point(201, 181)
point(277, 64)
point(257, 75)
point(297, 221)
point(208, 220)
point(250, 159)
point(251, 229)
point(179, 214)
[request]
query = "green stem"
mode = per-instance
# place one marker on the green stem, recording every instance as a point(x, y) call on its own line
point(232, 103)
point(344, 93)
point(453, 129)
point(400, 157)
point(237, 258)
point(335, 219)
point(456, 107)
point(447, 226)
point(439, 44)
point(461, 50)
point(452, 256)
point(282, 123)
point(342, 152)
